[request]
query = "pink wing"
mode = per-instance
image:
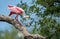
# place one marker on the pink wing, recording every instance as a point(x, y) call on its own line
point(19, 9)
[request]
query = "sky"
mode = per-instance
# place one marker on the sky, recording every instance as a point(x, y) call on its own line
point(4, 10)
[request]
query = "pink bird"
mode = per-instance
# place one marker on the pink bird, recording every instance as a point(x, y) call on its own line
point(17, 10)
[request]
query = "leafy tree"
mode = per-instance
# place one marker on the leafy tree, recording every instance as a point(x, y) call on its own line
point(47, 13)
point(44, 18)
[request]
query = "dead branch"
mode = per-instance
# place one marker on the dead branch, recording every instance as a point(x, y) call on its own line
point(20, 27)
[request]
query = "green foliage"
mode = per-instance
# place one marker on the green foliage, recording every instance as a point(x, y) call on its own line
point(9, 34)
point(53, 10)
point(49, 27)
point(33, 8)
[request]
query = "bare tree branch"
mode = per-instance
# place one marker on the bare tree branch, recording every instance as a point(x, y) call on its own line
point(20, 27)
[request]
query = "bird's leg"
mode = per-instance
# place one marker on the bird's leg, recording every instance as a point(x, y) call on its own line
point(17, 19)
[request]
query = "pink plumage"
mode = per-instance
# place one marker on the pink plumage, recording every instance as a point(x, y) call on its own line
point(18, 11)
point(15, 9)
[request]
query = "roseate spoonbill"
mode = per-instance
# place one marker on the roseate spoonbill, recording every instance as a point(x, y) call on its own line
point(17, 10)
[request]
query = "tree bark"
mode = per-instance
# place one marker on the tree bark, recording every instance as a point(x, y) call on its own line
point(20, 27)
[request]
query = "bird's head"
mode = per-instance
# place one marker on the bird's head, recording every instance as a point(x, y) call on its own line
point(10, 7)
